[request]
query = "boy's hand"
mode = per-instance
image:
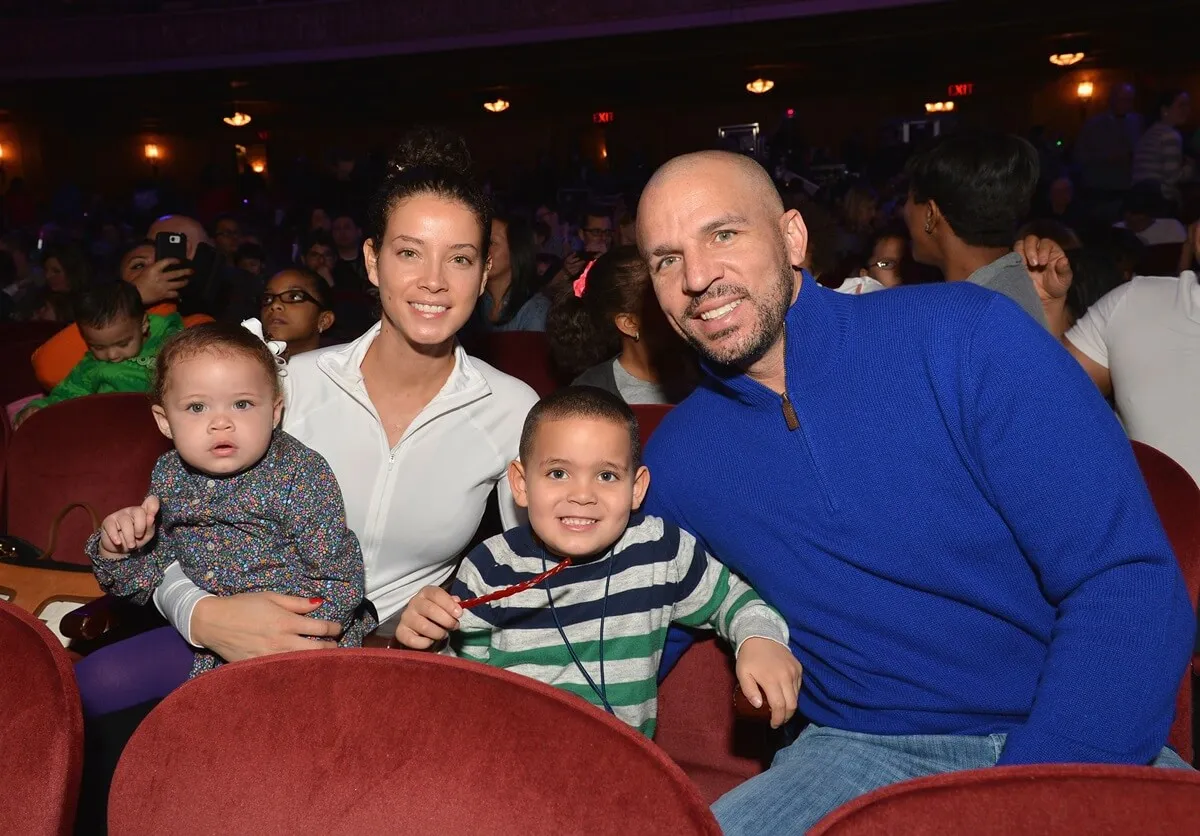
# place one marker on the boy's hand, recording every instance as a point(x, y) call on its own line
point(767, 668)
point(429, 617)
point(128, 529)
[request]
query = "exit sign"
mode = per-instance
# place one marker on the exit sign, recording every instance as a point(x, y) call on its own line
point(603, 117)
point(956, 90)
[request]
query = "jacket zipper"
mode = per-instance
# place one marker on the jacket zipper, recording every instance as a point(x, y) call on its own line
point(789, 414)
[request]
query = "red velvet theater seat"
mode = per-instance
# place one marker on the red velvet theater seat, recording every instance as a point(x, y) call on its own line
point(699, 728)
point(1029, 800)
point(526, 356)
point(98, 450)
point(1177, 500)
point(18, 341)
point(385, 741)
point(41, 729)
point(649, 416)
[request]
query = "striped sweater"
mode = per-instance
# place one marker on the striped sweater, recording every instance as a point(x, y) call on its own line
point(659, 575)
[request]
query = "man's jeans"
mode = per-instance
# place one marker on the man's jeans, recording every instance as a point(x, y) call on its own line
point(825, 768)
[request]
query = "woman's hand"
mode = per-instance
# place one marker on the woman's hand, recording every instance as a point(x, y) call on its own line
point(162, 281)
point(259, 624)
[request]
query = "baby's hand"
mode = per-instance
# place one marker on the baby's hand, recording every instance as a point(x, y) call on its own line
point(767, 668)
point(429, 617)
point(128, 529)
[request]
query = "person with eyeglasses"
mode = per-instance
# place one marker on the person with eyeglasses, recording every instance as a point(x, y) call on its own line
point(595, 239)
point(887, 251)
point(296, 309)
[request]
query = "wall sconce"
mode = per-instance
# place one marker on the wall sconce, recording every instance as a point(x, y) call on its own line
point(1066, 59)
point(1085, 90)
point(498, 106)
point(152, 152)
point(760, 86)
point(939, 107)
point(237, 120)
point(258, 166)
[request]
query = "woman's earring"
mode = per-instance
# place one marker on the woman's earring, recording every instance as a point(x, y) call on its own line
point(929, 226)
point(637, 336)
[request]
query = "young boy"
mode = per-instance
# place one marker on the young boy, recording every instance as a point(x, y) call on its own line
point(122, 341)
point(597, 627)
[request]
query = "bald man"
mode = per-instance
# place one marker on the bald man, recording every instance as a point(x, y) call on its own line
point(191, 228)
point(888, 471)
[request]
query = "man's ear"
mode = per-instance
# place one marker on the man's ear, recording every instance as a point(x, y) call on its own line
point(516, 481)
point(795, 237)
point(160, 418)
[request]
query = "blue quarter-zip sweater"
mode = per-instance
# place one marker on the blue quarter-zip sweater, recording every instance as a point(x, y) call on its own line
point(954, 526)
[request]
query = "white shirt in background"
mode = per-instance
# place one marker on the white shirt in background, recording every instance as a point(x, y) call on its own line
point(1162, 231)
point(1147, 334)
point(857, 285)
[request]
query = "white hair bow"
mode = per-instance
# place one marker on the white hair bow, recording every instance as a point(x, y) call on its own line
point(276, 347)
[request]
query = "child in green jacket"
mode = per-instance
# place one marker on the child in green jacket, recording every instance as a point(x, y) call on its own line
point(122, 340)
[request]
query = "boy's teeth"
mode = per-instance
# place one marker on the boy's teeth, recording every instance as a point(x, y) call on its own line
point(577, 521)
point(721, 311)
point(429, 308)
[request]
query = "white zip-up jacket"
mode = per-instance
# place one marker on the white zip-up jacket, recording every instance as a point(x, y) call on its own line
point(414, 507)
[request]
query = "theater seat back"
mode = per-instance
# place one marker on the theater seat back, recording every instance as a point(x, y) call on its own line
point(98, 450)
point(526, 356)
point(1030, 800)
point(1177, 500)
point(371, 741)
point(41, 729)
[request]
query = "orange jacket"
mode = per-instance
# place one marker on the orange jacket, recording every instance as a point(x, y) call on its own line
point(55, 358)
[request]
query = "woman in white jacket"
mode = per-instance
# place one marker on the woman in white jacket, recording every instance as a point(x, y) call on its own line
point(417, 432)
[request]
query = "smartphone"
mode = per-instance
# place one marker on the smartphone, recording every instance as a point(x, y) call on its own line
point(170, 245)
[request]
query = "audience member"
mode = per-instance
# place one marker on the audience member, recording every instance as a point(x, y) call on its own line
point(608, 331)
point(580, 477)
point(510, 278)
point(967, 193)
point(1147, 215)
point(1104, 150)
point(1159, 153)
point(238, 506)
point(318, 254)
point(122, 341)
point(296, 309)
point(1063, 571)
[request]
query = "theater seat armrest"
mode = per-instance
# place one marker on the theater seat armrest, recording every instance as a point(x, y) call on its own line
point(93, 619)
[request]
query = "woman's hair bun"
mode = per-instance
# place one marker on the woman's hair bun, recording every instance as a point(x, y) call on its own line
point(432, 147)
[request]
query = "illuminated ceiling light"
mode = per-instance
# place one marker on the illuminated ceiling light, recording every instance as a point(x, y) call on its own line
point(498, 106)
point(237, 120)
point(939, 107)
point(1, 153)
point(1066, 59)
point(258, 166)
point(152, 152)
point(1085, 90)
point(760, 85)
